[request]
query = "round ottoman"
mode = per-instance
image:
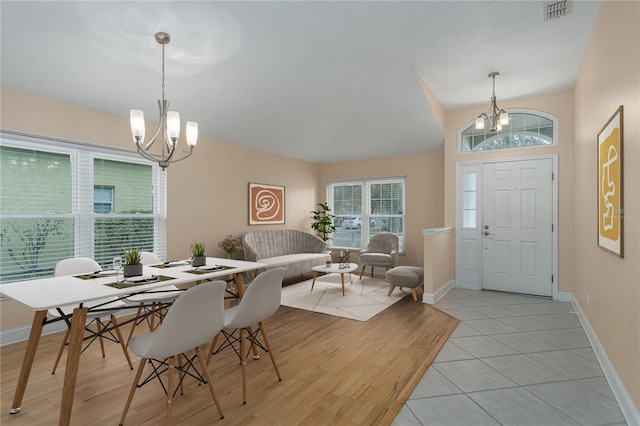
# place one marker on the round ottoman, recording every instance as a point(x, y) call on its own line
point(405, 276)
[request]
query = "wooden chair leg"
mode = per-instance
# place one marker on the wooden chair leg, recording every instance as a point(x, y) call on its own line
point(372, 272)
point(143, 362)
point(100, 339)
point(207, 376)
point(391, 287)
point(154, 308)
point(121, 340)
point(266, 343)
point(134, 324)
point(362, 272)
point(179, 377)
point(214, 342)
point(64, 343)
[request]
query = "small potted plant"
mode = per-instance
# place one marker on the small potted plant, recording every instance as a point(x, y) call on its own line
point(199, 259)
point(323, 221)
point(133, 262)
point(230, 245)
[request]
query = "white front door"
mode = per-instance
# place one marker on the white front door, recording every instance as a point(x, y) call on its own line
point(517, 213)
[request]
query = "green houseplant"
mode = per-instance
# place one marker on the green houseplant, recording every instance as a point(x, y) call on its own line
point(133, 262)
point(323, 221)
point(199, 258)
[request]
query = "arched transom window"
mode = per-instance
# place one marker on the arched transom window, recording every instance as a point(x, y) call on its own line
point(526, 128)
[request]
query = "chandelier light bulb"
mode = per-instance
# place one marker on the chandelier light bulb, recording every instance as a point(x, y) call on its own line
point(173, 125)
point(504, 118)
point(192, 133)
point(137, 124)
point(479, 123)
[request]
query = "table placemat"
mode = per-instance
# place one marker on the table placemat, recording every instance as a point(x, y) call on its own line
point(98, 274)
point(172, 264)
point(153, 279)
point(197, 271)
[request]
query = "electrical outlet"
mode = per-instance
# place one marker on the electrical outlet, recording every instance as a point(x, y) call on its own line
point(419, 260)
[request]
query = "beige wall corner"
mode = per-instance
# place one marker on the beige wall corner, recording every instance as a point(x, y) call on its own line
point(434, 102)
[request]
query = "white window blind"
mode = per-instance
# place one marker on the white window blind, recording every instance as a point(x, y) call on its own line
point(48, 205)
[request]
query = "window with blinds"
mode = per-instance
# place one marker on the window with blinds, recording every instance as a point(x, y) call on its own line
point(60, 200)
point(362, 208)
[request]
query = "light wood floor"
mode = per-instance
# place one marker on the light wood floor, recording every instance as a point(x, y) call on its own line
point(335, 371)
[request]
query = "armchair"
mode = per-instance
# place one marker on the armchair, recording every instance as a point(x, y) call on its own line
point(382, 252)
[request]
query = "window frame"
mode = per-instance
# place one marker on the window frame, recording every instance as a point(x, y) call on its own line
point(366, 215)
point(82, 156)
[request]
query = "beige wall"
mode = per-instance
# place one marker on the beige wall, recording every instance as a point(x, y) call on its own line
point(561, 106)
point(424, 191)
point(438, 264)
point(609, 77)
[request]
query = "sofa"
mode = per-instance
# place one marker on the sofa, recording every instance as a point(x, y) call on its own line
point(294, 250)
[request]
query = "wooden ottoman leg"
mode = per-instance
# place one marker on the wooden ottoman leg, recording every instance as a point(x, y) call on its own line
point(391, 287)
point(414, 294)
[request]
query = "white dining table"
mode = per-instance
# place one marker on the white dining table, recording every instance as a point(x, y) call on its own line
point(43, 294)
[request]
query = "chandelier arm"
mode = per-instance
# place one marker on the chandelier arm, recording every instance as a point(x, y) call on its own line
point(149, 144)
point(159, 159)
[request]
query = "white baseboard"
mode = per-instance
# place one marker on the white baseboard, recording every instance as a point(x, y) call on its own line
point(565, 296)
point(432, 298)
point(629, 411)
point(21, 334)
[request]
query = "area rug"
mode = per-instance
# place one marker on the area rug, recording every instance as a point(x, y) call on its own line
point(363, 299)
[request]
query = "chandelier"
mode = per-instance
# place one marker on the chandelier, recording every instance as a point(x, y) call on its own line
point(168, 128)
point(497, 117)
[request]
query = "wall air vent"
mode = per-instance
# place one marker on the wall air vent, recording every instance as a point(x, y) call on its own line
point(557, 9)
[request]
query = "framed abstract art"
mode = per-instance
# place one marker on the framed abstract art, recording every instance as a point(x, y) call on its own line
point(266, 204)
point(610, 203)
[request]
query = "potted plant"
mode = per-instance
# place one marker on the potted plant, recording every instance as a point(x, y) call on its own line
point(199, 259)
point(230, 245)
point(133, 262)
point(323, 221)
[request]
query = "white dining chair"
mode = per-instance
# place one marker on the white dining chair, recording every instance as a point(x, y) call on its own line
point(84, 265)
point(153, 304)
point(195, 317)
point(260, 301)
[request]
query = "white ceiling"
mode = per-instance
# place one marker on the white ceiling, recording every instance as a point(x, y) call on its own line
point(315, 80)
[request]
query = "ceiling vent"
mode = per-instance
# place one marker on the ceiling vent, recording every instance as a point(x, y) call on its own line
point(557, 9)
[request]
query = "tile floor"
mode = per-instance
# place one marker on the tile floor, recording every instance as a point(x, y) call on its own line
point(513, 360)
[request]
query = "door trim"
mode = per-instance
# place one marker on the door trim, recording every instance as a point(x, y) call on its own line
point(458, 213)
